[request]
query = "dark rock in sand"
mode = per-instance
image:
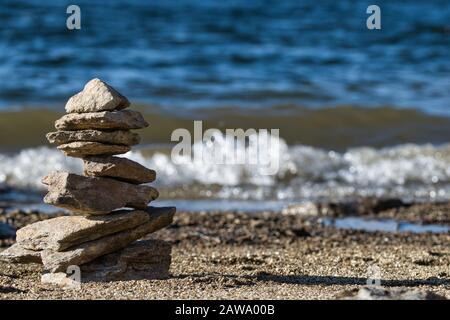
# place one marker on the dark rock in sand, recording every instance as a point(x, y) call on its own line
point(83, 149)
point(361, 206)
point(94, 196)
point(105, 120)
point(124, 137)
point(86, 252)
point(118, 168)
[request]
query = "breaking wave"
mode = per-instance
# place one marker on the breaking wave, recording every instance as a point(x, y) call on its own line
point(334, 128)
point(408, 171)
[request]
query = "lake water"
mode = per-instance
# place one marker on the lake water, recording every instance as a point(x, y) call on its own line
point(360, 112)
point(384, 225)
point(199, 53)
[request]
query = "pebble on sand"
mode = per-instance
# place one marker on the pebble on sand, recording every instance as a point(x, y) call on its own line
point(96, 96)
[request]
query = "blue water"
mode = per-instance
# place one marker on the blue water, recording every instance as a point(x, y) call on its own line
point(384, 225)
point(191, 53)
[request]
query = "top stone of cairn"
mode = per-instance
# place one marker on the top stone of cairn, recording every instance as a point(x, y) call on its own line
point(96, 96)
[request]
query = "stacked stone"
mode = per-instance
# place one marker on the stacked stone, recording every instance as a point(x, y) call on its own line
point(100, 235)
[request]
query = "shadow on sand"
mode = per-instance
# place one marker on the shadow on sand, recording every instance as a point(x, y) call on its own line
point(312, 280)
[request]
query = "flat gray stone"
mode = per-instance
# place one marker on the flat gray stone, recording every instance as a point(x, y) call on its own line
point(59, 261)
point(60, 233)
point(124, 137)
point(95, 196)
point(83, 149)
point(60, 280)
point(96, 96)
point(105, 120)
point(18, 254)
point(118, 168)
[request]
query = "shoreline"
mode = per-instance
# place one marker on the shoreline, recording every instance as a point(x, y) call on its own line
point(377, 127)
point(266, 255)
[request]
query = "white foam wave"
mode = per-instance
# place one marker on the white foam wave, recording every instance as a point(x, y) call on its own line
point(208, 171)
point(26, 168)
point(408, 171)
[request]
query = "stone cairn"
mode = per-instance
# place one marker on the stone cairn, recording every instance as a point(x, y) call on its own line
point(100, 236)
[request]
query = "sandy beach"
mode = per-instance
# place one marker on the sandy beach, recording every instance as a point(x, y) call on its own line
point(304, 144)
point(270, 255)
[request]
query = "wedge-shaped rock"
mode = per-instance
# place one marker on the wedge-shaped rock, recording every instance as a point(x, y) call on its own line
point(105, 120)
point(18, 254)
point(96, 96)
point(94, 196)
point(125, 137)
point(118, 168)
point(60, 233)
point(145, 259)
point(83, 149)
point(59, 261)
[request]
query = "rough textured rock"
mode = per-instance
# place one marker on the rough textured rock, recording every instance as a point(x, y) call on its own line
point(96, 96)
point(82, 149)
point(94, 196)
point(64, 232)
point(59, 261)
point(124, 137)
point(105, 120)
point(118, 168)
point(18, 254)
point(145, 259)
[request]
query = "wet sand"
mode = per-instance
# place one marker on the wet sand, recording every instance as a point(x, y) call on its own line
point(272, 256)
